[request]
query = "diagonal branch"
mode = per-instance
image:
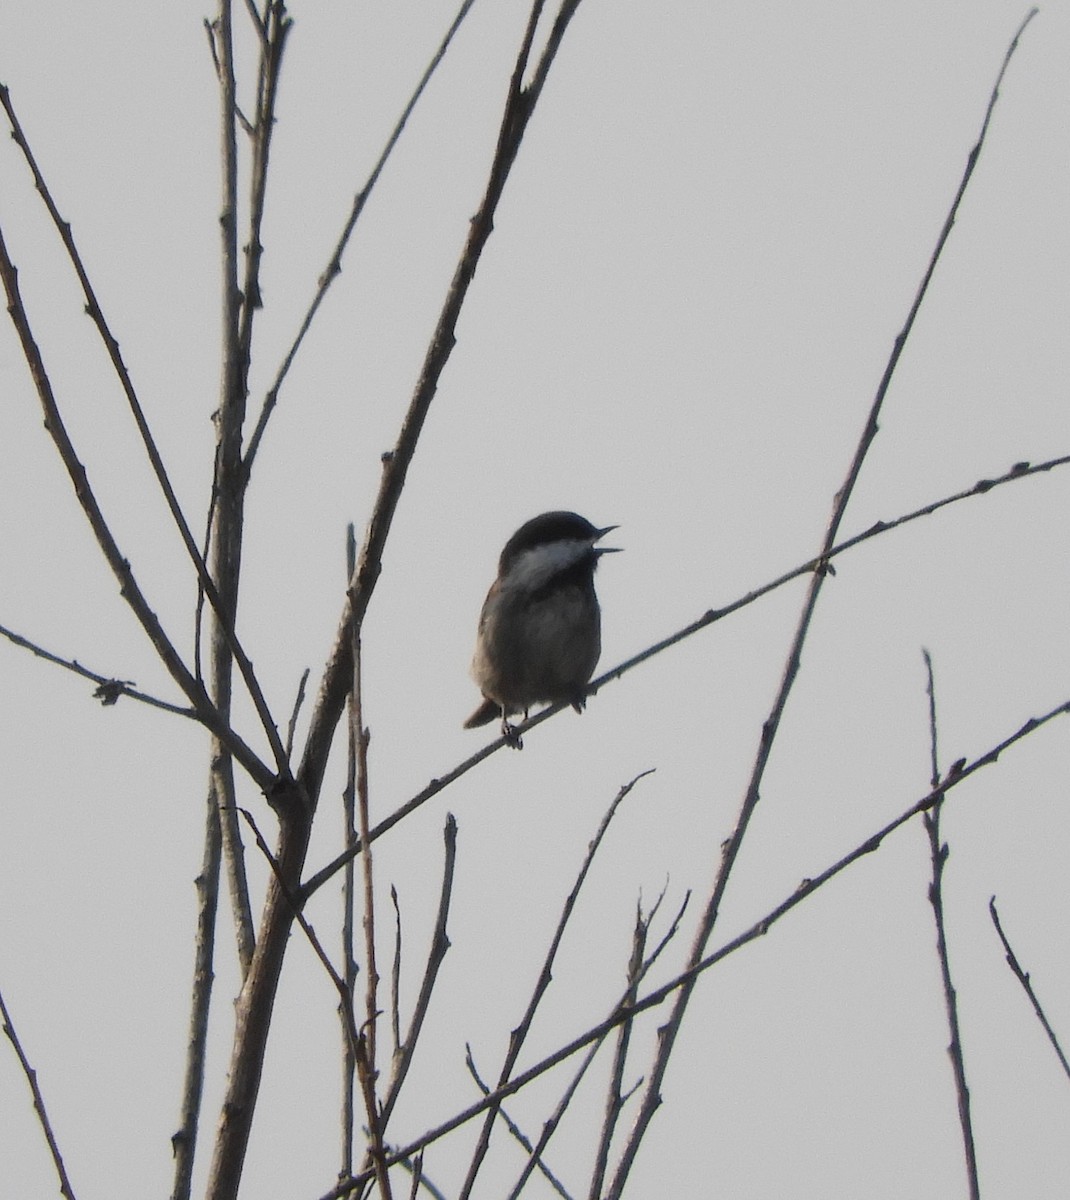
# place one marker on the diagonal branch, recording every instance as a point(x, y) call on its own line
point(519, 106)
point(38, 1101)
point(128, 586)
point(711, 617)
point(668, 1033)
point(334, 266)
point(1023, 978)
point(520, 1033)
point(959, 773)
point(96, 314)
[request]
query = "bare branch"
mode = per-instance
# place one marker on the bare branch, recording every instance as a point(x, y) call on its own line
point(711, 617)
point(939, 853)
point(334, 267)
point(959, 773)
point(668, 1032)
point(349, 829)
point(395, 974)
point(184, 1140)
point(518, 1134)
point(128, 586)
point(108, 689)
point(96, 314)
point(519, 1034)
point(517, 113)
point(614, 1092)
point(38, 1102)
point(298, 701)
point(440, 943)
point(1027, 987)
point(366, 1060)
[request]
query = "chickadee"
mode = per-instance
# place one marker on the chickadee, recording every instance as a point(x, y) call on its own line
point(539, 632)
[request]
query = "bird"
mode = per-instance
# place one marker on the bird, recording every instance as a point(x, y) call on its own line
point(539, 635)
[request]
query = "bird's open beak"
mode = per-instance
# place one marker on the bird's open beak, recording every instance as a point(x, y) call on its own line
point(601, 534)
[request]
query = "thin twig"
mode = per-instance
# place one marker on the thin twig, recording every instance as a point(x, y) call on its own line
point(519, 1034)
point(615, 1090)
point(108, 689)
point(38, 1102)
point(711, 617)
point(298, 701)
point(96, 314)
point(518, 1134)
point(334, 266)
point(1027, 986)
point(668, 1032)
point(306, 926)
point(518, 109)
point(440, 943)
point(349, 831)
point(366, 1059)
point(959, 773)
point(637, 972)
point(395, 975)
point(939, 853)
point(184, 1141)
point(117, 561)
point(415, 1166)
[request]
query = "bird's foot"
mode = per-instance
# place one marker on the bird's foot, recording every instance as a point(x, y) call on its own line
point(512, 737)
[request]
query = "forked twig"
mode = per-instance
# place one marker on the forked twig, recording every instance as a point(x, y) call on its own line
point(96, 314)
point(638, 966)
point(117, 561)
point(519, 1034)
point(615, 1089)
point(38, 1101)
point(939, 853)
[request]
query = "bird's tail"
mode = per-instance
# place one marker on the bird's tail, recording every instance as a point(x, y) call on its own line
point(488, 711)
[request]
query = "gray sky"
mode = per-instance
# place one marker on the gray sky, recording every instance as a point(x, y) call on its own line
point(711, 238)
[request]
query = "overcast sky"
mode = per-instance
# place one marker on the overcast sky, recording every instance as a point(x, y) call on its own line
point(711, 238)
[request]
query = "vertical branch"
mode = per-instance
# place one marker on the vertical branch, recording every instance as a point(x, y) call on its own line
point(366, 1047)
point(614, 1092)
point(295, 800)
point(349, 1062)
point(939, 852)
point(668, 1032)
point(272, 31)
point(227, 493)
point(184, 1141)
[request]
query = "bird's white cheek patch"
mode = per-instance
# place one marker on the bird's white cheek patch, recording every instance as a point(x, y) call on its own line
point(535, 568)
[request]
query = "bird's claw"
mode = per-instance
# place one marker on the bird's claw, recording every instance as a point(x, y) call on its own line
point(512, 737)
